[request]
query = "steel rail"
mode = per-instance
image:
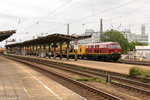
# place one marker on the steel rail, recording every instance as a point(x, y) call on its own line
point(94, 74)
point(84, 90)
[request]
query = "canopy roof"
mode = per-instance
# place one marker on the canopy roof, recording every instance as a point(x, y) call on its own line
point(5, 34)
point(53, 38)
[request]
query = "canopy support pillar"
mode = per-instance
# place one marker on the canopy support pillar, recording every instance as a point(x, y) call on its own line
point(68, 50)
point(60, 50)
point(76, 49)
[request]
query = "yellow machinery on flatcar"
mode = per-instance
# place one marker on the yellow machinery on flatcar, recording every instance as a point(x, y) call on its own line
point(64, 50)
point(80, 51)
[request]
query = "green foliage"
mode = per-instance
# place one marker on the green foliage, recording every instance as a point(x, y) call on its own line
point(92, 79)
point(115, 36)
point(135, 43)
point(146, 73)
point(135, 71)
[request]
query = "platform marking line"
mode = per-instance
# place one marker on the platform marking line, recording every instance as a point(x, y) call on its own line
point(65, 88)
point(56, 82)
point(27, 92)
point(46, 87)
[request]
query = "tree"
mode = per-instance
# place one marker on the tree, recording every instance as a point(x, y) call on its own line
point(135, 43)
point(115, 36)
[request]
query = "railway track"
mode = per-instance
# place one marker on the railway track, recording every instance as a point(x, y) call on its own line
point(82, 89)
point(135, 62)
point(123, 82)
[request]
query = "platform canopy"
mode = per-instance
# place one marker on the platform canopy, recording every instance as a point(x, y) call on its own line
point(5, 34)
point(53, 38)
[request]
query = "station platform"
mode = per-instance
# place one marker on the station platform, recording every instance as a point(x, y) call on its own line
point(19, 82)
point(109, 66)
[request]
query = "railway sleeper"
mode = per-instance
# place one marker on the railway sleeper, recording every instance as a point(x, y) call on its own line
point(132, 88)
point(125, 80)
point(101, 93)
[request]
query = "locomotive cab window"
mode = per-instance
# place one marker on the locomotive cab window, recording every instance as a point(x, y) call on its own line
point(100, 46)
point(115, 46)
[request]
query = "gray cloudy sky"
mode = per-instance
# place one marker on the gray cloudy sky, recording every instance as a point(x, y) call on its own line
point(33, 17)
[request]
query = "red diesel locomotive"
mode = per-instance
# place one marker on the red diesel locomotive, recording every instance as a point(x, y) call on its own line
point(106, 51)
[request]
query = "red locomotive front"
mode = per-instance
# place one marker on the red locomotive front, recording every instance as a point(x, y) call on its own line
point(107, 51)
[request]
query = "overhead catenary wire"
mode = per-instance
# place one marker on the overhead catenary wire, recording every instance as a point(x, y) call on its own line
point(50, 13)
point(41, 3)
point(104, 11)
point(55, 10)
point(109, 20)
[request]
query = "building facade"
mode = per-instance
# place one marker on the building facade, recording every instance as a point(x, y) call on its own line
point(143, 52)
point(127, 33)
point(94, 39)
point(136, 37)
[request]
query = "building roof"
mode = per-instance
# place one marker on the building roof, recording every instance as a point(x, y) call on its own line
point(5, 34)
point(53, 38)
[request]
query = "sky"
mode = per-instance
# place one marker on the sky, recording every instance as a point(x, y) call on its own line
point(31, 18)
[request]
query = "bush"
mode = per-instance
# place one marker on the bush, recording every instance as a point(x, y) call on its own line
point(147, 73)
point(135, 71)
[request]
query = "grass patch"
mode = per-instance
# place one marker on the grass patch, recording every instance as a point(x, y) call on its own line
point(91, 79)
point(137, 71)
